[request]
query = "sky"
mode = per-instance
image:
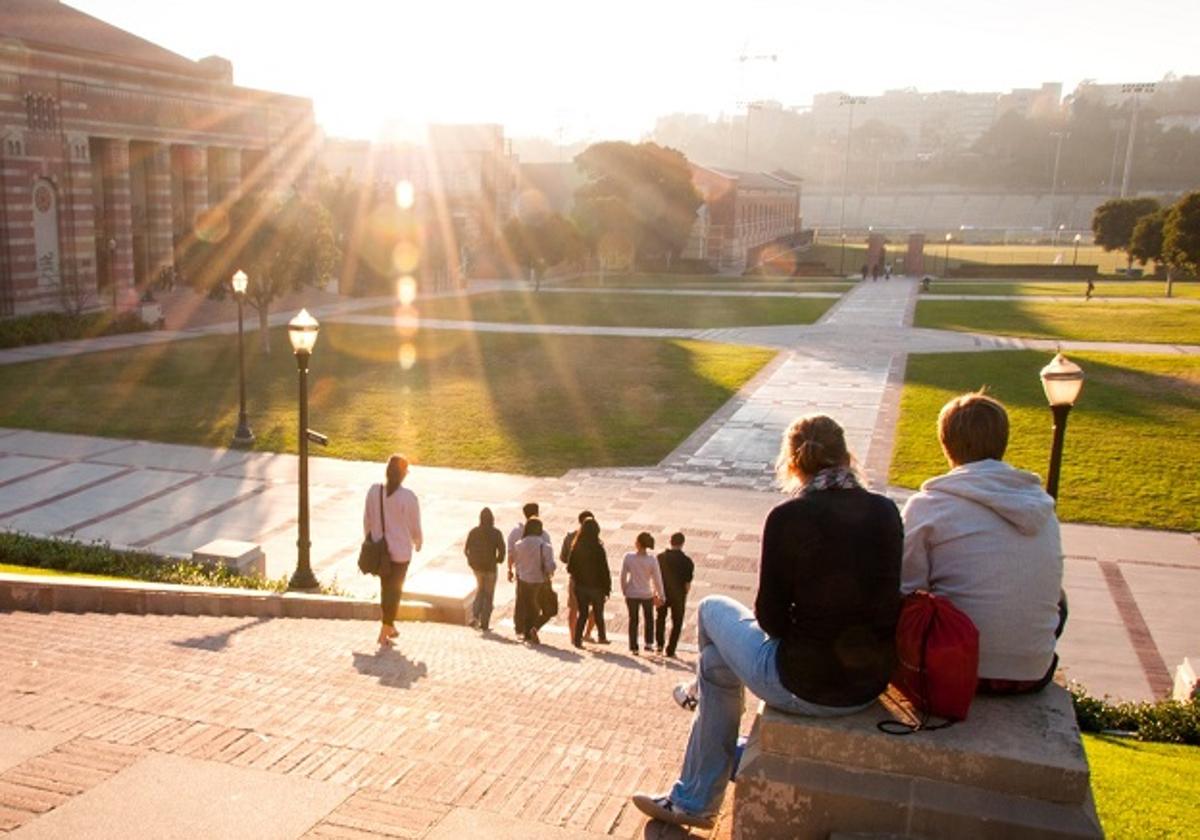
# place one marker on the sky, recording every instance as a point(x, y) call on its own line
point(382, 69)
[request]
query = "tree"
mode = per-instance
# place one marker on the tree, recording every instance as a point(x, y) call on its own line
point(1181, 237)
point(1146, 242)
point(639, 193)
point(1114, 220)
point(541, 242)
point(283, 241)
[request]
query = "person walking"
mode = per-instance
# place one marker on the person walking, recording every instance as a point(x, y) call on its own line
point(564, 556)
point(591, 581)
point(874, 272)
point(677, 570)
point(393, 512)
point(821, 640)
point(642, 586)
point(865, 268)
point(485, 550)
point(532, 561)
point(529, 510)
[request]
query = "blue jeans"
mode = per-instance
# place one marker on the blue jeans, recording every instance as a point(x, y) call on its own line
point(734, 652)
point(485, 591)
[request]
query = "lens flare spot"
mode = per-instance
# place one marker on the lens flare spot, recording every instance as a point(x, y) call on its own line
point(406, 290)
point(405, 256)
point(406, 194)
point(408, 355)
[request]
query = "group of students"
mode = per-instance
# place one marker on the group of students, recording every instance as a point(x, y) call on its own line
point(647, 582)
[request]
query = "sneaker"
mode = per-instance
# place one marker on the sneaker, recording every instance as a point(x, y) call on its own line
point(663, 809)
point(532, 637)
point(685, 696)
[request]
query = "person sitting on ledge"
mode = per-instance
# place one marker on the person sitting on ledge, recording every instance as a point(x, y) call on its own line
point(985, 535)
point(821, 639)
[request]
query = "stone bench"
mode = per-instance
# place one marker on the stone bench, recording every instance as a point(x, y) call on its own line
point(1015, 768)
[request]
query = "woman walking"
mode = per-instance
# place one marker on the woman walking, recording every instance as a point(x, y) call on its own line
point(642, 586)
point(393, 512)
point(533, 560)
point(821, 639)
point(485, 551)
point(588, 566)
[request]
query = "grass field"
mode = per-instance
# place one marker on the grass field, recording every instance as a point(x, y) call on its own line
point(1144, 790)
point(1133, 440)
point(1080, 321)
point(509, 402)
point(707, 281)
point(1073, 288)
point(624, 310)
point(935, 254)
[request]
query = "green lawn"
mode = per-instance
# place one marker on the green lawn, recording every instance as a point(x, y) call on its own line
point(624, 310)
point(1133, 439)
point(707, 281)
point(1073, 288)
point(828, 250)
point(508, 402)
point(1144, 790)
point(1081, 321)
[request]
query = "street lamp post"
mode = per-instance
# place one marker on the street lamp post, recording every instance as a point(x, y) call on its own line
point(302, 332)
point(842, 261)
point(243, 437)
point(946, 261)
point(1135, 90)
point(851, 101)
point(1062, 381)
point(1075, 259)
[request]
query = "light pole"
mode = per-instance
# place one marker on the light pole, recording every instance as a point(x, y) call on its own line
point(302, 332)
point(842, 261)
point(851, 101)
point(1062, 381)
point(1061, 135)
point(946, 261)
point(243, 437)
point(1075, 259)
point(1135, 90)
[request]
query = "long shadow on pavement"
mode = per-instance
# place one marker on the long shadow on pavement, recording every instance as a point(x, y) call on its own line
point(393, 668)
point(217, 642)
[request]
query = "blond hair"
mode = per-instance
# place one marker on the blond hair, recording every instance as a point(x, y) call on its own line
point(812, 443)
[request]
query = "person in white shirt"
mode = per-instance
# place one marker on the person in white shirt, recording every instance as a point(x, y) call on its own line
point(393, 512)
point(642, 586)
point(530, 511)
point(532, 559)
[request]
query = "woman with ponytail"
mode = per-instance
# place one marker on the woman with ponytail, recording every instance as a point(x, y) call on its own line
point(393, 512)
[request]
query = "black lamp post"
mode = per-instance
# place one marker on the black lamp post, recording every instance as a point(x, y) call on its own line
point(302, 332)
point(946, 261)
point(1075, 260)
point(1062, 381)
point(243, 437)
point(842, 261)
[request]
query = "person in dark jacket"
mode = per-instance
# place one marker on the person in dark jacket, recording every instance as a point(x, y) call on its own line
point(587, 564)
point(564, 555)
point(821, 639)
point(677, 571)
point(485, 552)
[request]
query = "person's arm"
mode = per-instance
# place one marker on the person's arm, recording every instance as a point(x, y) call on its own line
point(914, 565)
point(773, 604)
point(607, 585)
point(367, 516)
point(548, 565)
point(689, 572)
point(414, 522)
point(626, 575)
point(498, 539)
point(660, 591)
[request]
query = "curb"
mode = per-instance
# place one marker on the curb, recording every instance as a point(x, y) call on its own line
point(34, 593)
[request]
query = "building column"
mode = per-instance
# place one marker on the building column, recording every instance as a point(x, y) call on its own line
point(119, 223)
point(160, 243)
point(225, 174)
point(194, 160)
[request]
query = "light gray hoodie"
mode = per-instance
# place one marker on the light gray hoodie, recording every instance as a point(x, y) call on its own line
point(985, 536)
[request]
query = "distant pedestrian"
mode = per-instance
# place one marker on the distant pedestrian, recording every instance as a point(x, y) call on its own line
point(865, 268)
point(485, 551)
point(887, 271)
point(677, 570)
point(642, 586)
point(392, 512)
point(564, 555)
point(532, 560)
point(874, 272)
point(590, 579)
point(529, 510)
point(1091, 287)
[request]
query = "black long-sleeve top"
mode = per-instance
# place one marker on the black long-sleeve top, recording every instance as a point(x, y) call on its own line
point(484, 549)
point(829, 590)
point(588, 566)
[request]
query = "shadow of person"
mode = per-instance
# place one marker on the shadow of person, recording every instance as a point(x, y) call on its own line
point(493, 636)
point(217, 642)
point(622, 660)
point(655, 830)
point(393, 668)
point(556, 653)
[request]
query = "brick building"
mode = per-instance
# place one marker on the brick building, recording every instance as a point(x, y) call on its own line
point(742, 212)
point(112, 149)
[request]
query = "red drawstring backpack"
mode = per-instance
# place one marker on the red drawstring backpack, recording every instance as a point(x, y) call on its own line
point(937, 650)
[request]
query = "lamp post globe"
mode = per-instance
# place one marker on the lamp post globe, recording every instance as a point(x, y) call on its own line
point(946, 261)
point(1062, 380)
point(242, 437)
point(302, 333)
point(1077, 240)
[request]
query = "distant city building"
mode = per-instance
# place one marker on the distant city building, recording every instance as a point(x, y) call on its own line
point(113, 148)
point(742, 212)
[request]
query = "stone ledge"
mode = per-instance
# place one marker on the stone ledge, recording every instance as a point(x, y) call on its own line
point(35, 593)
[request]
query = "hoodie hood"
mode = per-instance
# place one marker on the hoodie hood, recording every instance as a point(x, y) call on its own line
point(1014, 495)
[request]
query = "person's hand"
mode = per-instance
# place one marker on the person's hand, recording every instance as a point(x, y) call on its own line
point(510, 575)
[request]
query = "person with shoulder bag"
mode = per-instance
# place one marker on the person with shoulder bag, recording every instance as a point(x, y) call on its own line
point(392, 514)
point(532, 560)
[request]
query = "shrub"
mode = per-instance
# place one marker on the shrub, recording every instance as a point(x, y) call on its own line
point(1169, 721)
point(45, 327)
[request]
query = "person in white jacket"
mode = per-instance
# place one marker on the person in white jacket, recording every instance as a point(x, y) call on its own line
point(985, 535)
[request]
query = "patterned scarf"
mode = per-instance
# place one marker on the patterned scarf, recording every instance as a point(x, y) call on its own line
point(833, 478)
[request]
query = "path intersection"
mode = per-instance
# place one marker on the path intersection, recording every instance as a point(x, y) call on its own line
point(453, 731)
